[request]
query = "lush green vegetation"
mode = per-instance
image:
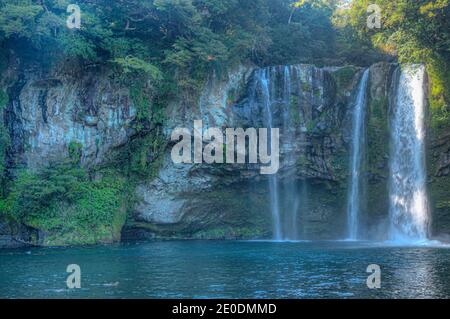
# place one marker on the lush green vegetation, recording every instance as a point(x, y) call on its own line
point(344, 78)
point(189, 38)
point(63, 202)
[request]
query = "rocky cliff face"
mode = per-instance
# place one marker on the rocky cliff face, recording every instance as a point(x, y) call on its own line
point(54, 115)
point(232, 200)
point(438, 163)
point(375, 215)
point(47, 115)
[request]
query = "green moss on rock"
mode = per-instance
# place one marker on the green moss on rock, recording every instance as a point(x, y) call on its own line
point(344, 77)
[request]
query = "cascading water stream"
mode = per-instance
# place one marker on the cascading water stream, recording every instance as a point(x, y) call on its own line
point(273, 90)
point(290, 190)
point(408, 212)
point(263, 77)
point(285, 97)
point(356, 159)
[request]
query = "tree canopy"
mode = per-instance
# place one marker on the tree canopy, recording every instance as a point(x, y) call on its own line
point(189, 37)
point(414, 31)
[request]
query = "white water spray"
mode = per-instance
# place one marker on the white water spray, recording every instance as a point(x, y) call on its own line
point(409, 214)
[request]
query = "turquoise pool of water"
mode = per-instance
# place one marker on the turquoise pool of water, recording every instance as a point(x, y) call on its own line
point(227, 269)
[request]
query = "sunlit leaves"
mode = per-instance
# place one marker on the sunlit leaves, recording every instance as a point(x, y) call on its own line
point(18, 18)
point(130, 64)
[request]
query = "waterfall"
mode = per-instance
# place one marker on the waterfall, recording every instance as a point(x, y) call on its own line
point(408, 211)
point(290, 191)
point(272, 94)
point(263, 78)
point(287, 97)
point(356, 158)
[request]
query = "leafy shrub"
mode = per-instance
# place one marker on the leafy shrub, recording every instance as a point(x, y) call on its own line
point(75, 151)
point(62, 201)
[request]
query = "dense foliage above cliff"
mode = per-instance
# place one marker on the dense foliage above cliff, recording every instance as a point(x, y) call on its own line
point(189, 37)
point(197, 36)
